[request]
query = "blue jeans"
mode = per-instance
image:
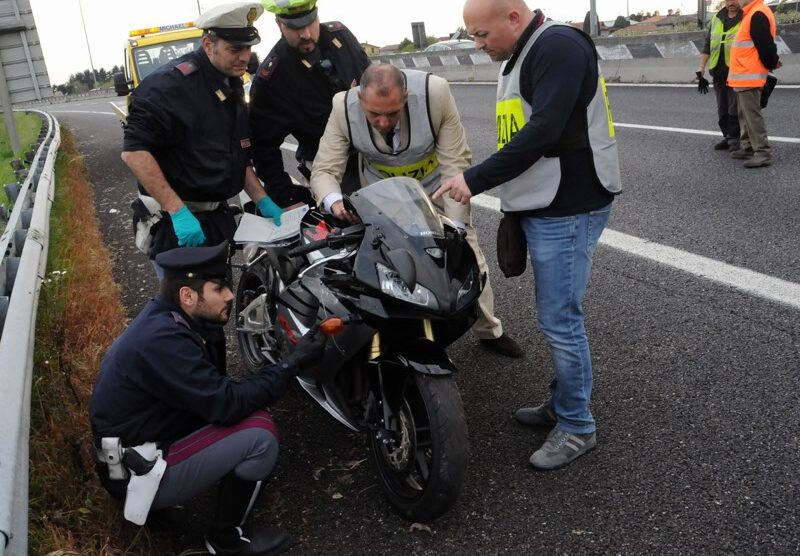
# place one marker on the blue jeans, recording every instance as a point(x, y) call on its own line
point(561, 250)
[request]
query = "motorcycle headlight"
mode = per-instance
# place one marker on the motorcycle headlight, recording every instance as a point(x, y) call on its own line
point(392, 285)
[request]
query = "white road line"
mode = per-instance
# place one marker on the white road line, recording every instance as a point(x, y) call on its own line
point(657, 85)
point(747, 281)
point(680, 85)
point(742, 279)
point(81, 112)
point(697, 131)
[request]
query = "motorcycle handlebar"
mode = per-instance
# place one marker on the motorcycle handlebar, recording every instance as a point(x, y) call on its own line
point(308, 247)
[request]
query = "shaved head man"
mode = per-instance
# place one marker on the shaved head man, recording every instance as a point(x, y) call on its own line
point(556, 172)
point(497, 25)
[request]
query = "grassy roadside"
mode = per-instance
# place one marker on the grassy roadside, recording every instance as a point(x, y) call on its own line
point(28, 126)
point(80, 314)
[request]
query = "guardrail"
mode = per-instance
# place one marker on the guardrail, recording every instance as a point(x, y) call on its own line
point(23, 260)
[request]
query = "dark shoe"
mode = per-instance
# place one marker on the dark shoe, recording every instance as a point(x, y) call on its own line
point(503, 345)
point(758, 162)
point(733, 145)
point(562, 448)
point(722, 145)
point(741, 154)
point(539, 416)
point(248, 540)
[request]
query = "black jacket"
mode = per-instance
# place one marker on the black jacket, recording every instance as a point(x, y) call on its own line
point(193, 120)
point(290, 97)
point(157, 382)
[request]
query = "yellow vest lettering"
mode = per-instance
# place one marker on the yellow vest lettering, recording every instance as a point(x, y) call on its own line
point(510, 119)
point(419, 171)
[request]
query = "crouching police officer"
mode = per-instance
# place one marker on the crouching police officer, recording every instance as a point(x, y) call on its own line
point(187, 138)
point(292, 92)
point(167, 425)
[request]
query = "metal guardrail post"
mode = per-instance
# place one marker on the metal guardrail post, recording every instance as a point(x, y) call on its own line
point(17, 342)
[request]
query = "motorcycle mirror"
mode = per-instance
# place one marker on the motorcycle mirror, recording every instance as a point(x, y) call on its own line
point(403, 263)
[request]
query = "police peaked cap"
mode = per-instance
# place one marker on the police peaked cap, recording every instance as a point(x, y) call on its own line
point(233, 22)
point(207, 263)
point(295, 14)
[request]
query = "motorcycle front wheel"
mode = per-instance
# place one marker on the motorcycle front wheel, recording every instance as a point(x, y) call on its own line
point(421, 468)
point(255, 316)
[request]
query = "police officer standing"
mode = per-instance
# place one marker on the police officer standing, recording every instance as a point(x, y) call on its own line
point(187, 137)
point(167, 425)
point(292, 92)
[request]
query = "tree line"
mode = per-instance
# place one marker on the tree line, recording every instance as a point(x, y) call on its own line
point(82, 82)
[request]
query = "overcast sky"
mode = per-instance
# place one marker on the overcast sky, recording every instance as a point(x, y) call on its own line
point(378, 22)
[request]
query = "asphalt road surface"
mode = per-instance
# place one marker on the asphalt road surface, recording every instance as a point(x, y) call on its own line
point(695, 391)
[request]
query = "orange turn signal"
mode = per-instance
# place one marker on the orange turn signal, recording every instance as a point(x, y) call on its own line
point(332, 326)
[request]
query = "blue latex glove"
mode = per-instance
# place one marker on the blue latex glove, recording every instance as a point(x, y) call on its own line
point(187, 228)
point(269, 209)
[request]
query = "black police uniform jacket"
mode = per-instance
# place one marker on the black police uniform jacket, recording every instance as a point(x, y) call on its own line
point(289, 97)
point(193, 120)
point(157, 382)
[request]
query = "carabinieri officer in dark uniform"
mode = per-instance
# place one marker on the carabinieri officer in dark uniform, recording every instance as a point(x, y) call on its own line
point(159, 390)
point(292, 93)
point(187, 137)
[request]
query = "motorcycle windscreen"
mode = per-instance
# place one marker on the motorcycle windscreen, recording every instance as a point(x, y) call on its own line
point(411, 209)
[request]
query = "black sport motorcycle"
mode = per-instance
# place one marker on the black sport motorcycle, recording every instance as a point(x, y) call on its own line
point(392, 292)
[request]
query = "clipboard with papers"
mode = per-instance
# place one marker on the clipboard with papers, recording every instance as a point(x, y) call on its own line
point(257, 229)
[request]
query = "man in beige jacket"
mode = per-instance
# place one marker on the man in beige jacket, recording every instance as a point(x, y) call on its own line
point(375, 119)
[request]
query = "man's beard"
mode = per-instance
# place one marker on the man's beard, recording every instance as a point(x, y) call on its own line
point(215, 318)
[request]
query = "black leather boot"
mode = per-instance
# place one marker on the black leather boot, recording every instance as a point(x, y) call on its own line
point(229, 536)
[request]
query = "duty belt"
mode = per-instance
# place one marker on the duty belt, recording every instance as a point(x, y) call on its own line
point(194, 206)
point(202, 206)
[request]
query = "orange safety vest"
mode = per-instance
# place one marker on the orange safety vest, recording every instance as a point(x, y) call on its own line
point(747, 71)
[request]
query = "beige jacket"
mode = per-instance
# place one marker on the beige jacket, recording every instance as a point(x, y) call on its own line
point(451, 147)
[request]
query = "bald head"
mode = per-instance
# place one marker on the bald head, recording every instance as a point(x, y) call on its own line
point(384, 79)
point(497, 25)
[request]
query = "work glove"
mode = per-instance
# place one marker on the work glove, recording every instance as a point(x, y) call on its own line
point(269, 209)
point(308, 351)
point(702, 83)
point(187, 228)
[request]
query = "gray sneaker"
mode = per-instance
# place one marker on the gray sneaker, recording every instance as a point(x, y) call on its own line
point(562, 448)
point(539, 416)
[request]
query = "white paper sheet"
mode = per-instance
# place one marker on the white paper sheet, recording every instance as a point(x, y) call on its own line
point(257, 229)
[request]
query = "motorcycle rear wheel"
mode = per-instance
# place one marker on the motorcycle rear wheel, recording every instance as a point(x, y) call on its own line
point(422, 471)
point(255, 316)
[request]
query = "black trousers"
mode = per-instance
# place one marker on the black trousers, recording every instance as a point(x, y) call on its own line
point(726, 109)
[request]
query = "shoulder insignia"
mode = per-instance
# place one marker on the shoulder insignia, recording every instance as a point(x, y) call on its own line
point(268, 67)
point(336, 43)
point(187, 68)
point(334, 25)
point(179, 319)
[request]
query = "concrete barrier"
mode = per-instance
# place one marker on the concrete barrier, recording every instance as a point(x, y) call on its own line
point(661, 58)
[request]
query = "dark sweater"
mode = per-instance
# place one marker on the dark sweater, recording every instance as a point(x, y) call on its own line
point(763, 41)
point(559, 80)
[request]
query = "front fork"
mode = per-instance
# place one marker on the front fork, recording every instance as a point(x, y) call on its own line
point(388, 395)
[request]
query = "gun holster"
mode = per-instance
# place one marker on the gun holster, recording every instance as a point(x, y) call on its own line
point(147, 467)
point(146, 214)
